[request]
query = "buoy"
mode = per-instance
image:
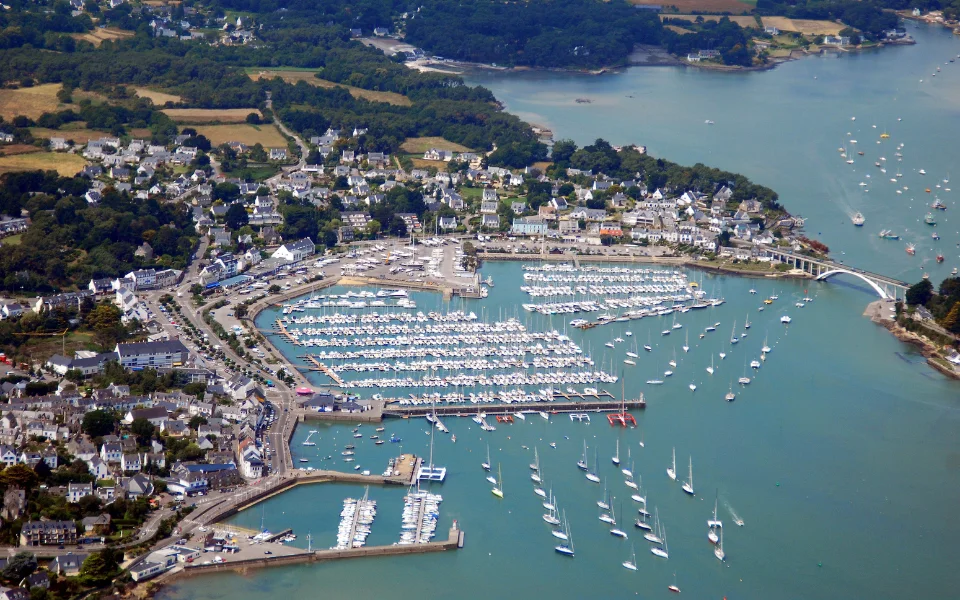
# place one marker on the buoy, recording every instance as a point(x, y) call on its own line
point(778, 484)
point(819, 564)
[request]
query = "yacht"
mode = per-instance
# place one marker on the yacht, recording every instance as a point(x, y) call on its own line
point(718, 551)
point(730, 397)
point(632, 563)
point(672, 471)
point(688, 484)
point(785, 320)
point(858, 220)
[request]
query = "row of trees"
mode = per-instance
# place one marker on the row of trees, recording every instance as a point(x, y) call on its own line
point(944, 305)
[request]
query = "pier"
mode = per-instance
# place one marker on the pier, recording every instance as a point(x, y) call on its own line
point(556, 407)
point(319, 366)
point(255, 559)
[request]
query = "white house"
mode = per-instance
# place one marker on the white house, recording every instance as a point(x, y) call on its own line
point(295, 251)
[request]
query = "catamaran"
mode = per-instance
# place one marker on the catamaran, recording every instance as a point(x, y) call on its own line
point(672, 471)
point(688, 484)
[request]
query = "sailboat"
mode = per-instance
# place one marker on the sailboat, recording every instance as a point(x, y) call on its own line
point(633, 354)
point(616, 457)
point(632, 563)
point(688, 484)
point(590, 475)
point(582, 463)
point(602, 502)
point(730, 397)
point(714, 524)
point(615, 531)
point(658, 551)
point(766, 348)
point(566, 549)
point(718, 551)
point(551, 517)
point(647, 346)
point(654, 535)
point(673, 588)
point(686, 343)
point(744, 380)
point(747, 324)
point(672, 471)
point(550, 502)
point(710, 368)
point(561, 533)
point(486, 465)
point(673, 361)
point(733, 334)
point(628, 472)
point(535, 465)
point(498, 489)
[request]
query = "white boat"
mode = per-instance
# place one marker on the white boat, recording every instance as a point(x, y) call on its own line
point(710, 368)
point(628, 472)
point(616, 531)
point(730, 397)
point(486, 465)
point(602, 502)
point(498, 488)
point(755, 364)
point(632, 563)
point(693, 387)
point(567, 548)
point(630, 362)
point(492, 479)
point(590, 475)
point(535, 465)
point(718, 551)
point(785, 320)
point(686, 343)
point(539, 491)
point(688, 484)
point(582, 463)
point(615, 459)
point(672, 471)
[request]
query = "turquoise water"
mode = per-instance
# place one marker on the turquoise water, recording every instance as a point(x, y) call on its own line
point(783, 127)
point(841, 457)
point(841, 453)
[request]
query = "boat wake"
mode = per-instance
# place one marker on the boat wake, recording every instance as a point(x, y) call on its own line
point(733, 514)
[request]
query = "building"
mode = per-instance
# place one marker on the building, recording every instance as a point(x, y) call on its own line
point(250, 463)
point(152, 354)
point(295, 251)
point(48, 533)
point(75, 491)
point(67, 565)
point(528, 226)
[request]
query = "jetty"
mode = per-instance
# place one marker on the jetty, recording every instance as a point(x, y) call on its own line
point(556, 407)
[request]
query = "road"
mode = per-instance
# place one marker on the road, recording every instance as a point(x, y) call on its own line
point(304, 149)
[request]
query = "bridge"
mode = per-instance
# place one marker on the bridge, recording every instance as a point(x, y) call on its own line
point(822, 269)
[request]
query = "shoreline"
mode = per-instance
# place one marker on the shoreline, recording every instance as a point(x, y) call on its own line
point(927, 348)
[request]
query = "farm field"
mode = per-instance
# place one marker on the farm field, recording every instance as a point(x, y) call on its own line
point(98, 35)
point(293, 76)
point(209, 115)
point(422, 144)
point(65, 164)
point(30, 102)
point(804, 26)
point(266, 135)
point(158, 98)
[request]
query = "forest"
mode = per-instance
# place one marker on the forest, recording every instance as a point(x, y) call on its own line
point(601, 157)
point(71, 241)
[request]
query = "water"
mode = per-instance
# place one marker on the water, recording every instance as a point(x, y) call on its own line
point(841, 456)
point(782, 128)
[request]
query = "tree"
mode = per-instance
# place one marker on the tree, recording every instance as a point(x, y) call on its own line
point(373, 227)
point(236, 216)
point(952, 321)
point(197, 421)
point(20, 566)
point(920, 292)
point(143, 429)
point(98, 423)
point(99, 568)
point(273, 289)
point(240, 311)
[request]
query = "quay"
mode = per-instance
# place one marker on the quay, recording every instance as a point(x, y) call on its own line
point(405, 412)
point(253, 557)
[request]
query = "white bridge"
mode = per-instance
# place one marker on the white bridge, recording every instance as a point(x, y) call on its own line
point(885, 287)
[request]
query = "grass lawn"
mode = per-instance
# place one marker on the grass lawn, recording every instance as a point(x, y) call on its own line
point(11, 240)
point(100, 35)
point(267, 135)
point(293, 75)
point(422, 144)
point(46, 346)
point(256, 173)
point(65, 164)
